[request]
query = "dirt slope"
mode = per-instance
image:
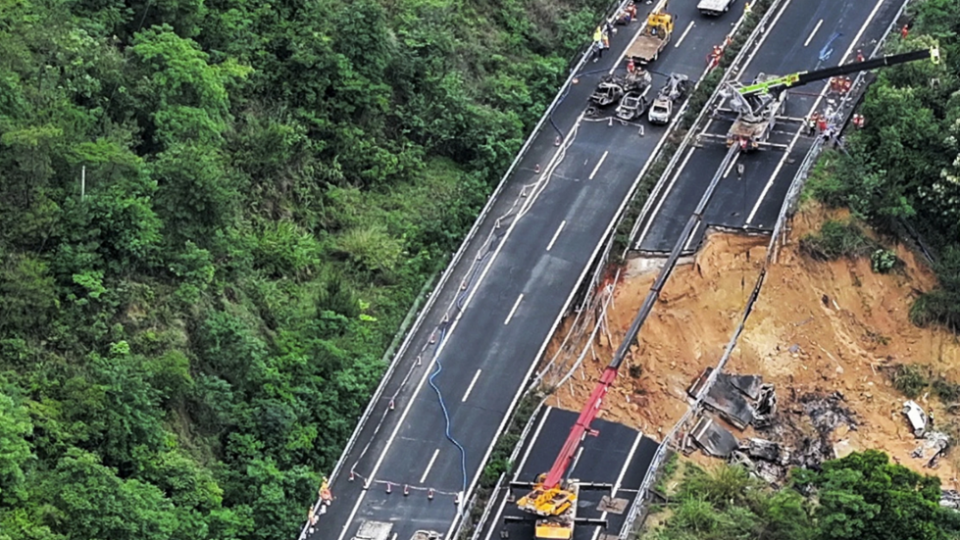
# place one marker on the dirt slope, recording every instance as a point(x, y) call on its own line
point(817, 327)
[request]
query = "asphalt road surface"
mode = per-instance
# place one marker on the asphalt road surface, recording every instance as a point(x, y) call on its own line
point(809, 35)
point(618, 456)
point(511, 305)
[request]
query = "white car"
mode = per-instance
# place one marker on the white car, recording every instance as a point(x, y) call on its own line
point(714, 7)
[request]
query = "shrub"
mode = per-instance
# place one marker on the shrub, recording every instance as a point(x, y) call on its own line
point(883, 261)
point(837, 239)
point(910, 379)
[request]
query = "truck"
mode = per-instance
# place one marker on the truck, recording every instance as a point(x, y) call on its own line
point(714, 8)
point(654, 37)
point(757, 105)
point(673, 92)
point(756, 114)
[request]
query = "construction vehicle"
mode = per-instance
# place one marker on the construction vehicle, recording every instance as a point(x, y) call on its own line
point(654, 37)
point(757, 105)
point(614, 88)
point(673, 92)
point(714, 8)
point(552, 499)
point(553, 496)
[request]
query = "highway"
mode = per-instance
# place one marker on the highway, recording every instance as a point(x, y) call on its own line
point(748, 202)
point(618, 456)
point(810, 34)
point(507, 307)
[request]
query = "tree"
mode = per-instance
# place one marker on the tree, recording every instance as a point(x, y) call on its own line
point(864, 496)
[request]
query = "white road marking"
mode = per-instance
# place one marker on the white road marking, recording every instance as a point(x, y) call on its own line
point(519, 469)
point(623, 472)
point(429, 465)
point(732, 162)
point(823, 93)
point(513, 310)
point(536, 433)
point(426, 374)
point(815, 28)
point(556, 234)
point(599, 163)
point(576, 460)
point(684, 35)
point(470, 388)
point(656, 210)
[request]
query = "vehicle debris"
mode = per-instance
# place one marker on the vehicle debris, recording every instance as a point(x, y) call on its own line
point(713, 438)
point(916, 416)
point(934, 444)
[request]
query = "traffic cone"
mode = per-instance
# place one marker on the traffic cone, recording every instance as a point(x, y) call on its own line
point(388, 488)
point(406, 490)
point(392, 404)
point(352, 475)
point(430, 494)
point(556, 142)
point(456, 499)
point(419, 359)
point(537, 168)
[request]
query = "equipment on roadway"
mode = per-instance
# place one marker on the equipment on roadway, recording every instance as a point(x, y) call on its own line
point(714, 8)
point(758, 104)
point(652, 39)
point(673, 92)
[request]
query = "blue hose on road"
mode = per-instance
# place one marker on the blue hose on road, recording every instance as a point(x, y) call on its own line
point(446, 414)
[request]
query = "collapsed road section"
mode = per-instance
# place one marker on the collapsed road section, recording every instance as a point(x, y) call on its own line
point(417, 454)
point(551, 498)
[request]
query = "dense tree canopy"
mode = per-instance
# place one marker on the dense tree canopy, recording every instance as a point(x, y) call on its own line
point(861, 496)
point(902, 172)
point(213, 217)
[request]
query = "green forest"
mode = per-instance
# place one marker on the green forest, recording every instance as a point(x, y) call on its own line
point(859, 497)
point(901, 172)
point(214, 216)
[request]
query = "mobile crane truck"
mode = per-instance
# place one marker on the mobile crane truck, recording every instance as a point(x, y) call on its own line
point(758, 104)
point(552, 499)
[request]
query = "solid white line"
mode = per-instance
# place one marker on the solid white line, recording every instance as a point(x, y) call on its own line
point(513, 310)
point(684, 35)
point(426, 374)
point(518, 470)
point(599, 163)
point(536, 433)
point(556, 234)
point(815, 28)
point(656, 210)
point(732, 162)
point(429, 465)
point(470, 388)
point(623, 472)
point(823, 93)
point(576, 460)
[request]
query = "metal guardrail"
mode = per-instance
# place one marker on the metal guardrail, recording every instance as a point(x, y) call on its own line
point(660, 455)
point(730, 72)
point(455, 260)
point(786, 210)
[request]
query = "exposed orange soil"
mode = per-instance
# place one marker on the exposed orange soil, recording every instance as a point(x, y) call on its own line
point(842, 344)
